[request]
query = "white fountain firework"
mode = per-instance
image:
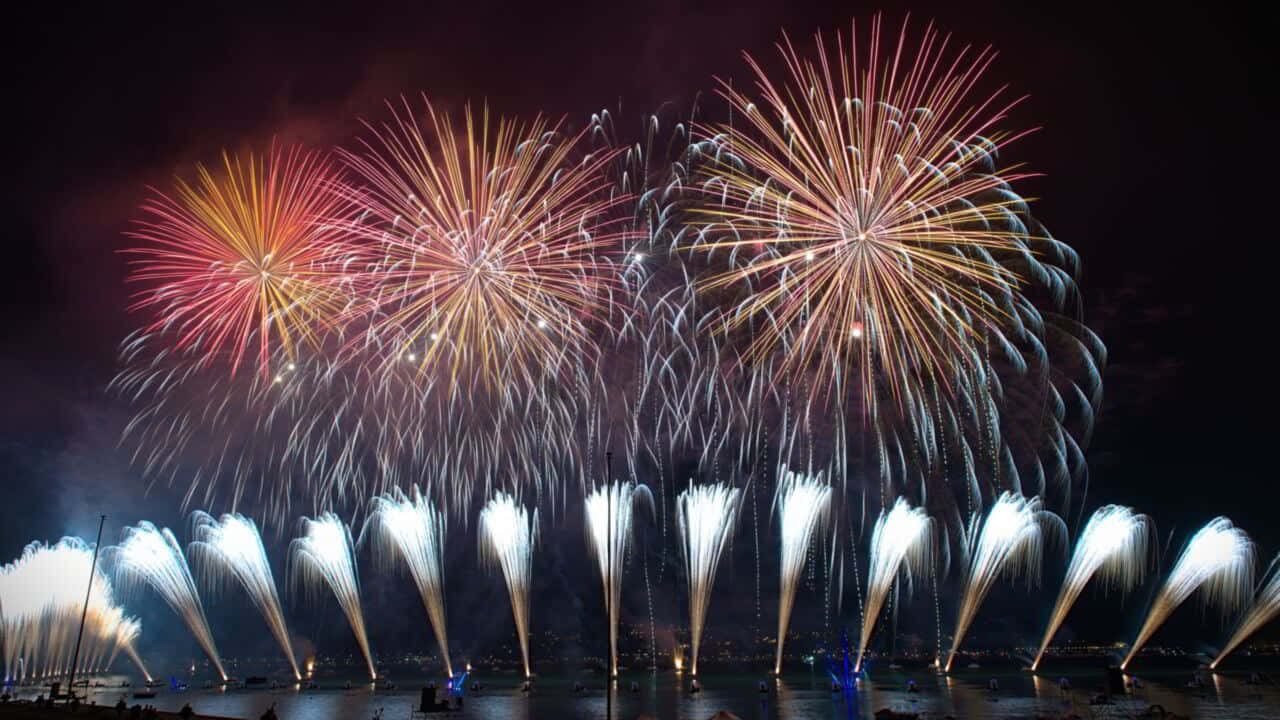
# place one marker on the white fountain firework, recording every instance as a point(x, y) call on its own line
point(508, 533)
point(151, 556)
point(42, 596)
point(324, 556)
point(901, 541)
point(414, 529)
point(1113, 547)
point(803, 501)
point(610, 511)
point(1009, 541)
point(705, 516)
point(231, 547)
point(1217, 561)
point(1265, 608)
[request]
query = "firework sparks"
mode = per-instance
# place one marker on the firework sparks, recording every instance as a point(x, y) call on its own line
point(324, 556)
point(610, 512)
point(508, 533)
point(863, 177)
point(232, 547)
point(489, 243)
point(415, 530)
point(1009, 541)
point(705, 516)
point(1265, 608)
point(803, 502)
point(901, 540)
point(42, 598)
point(1113, 545)
point(1217, 560)
point(151, 556)
point(255, 250)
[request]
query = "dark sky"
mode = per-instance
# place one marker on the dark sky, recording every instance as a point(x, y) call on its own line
point(1158, 170)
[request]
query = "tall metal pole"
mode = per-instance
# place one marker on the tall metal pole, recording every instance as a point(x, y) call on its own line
point(93, 570)
point(608, 688)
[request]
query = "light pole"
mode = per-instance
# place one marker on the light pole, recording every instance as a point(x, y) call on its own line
point(93, 570)
point(608, 488)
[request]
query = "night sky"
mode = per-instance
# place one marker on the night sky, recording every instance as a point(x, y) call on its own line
point(1157, 167)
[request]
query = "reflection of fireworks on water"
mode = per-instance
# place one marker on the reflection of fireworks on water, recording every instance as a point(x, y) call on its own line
point(508, 533)
point(42, 596)
point(1218, 561)
point(1009, 541)
point(610, 511)
point(1113, 545)
point(803, 502)
point(706, 515)
point(151, 556)
point(902, 540)
point(324, 556)
point(1266, 606)
point(415, 530)
point(231, 547)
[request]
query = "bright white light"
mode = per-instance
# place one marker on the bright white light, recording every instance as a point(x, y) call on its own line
point(803, 501)
point(507, 535)
point(324, 556)
point(900, 541)
point(705, 516)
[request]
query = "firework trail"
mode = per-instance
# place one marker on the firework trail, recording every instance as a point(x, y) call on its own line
point(901, 541)
point(127, 635)
point(610, 512)
point(1009, 541)
point(1265, 608)
point(803, 502)
point(151, 556)
point(232, 547)
point(1218, 561)
point(252, 253)
point(705, 515)
point(42, 596)
point(1113, 545)
point(414, 530)
point(325, 555)
point(508, 533)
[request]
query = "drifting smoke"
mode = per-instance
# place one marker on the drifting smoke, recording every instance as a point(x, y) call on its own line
point(414, 530)
point(508, 533)
point(151, 556)
point(1264, 610)
point(901, 541)
point(1217, 560)
point(705, 516)
point(803, 501)
point(42, 596)
point(232, 548)
point(324, 556)
point(1009, 542)
point(610, 511)
point(1112, 546)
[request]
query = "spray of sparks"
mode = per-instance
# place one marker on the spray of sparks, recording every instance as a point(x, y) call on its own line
point(150, 556)
point(413, 529)
point(803, 502)
point(610, 512)
point(42, 596)
point(1112, 547)
point(705, 516)
point(901, 541)
point(508, 533)
point(252, 253)
point(858, 184)
point(489, 243)
point(324, 556)
point(231, 547)
point(1218, 561)
point(1009, 541)
point(1266, 606)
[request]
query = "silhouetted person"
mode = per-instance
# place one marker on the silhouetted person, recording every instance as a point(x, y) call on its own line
point(186, 713)
point(121, 706)
point(270, 714)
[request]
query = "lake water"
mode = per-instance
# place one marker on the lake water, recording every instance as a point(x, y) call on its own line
point(798, 696)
